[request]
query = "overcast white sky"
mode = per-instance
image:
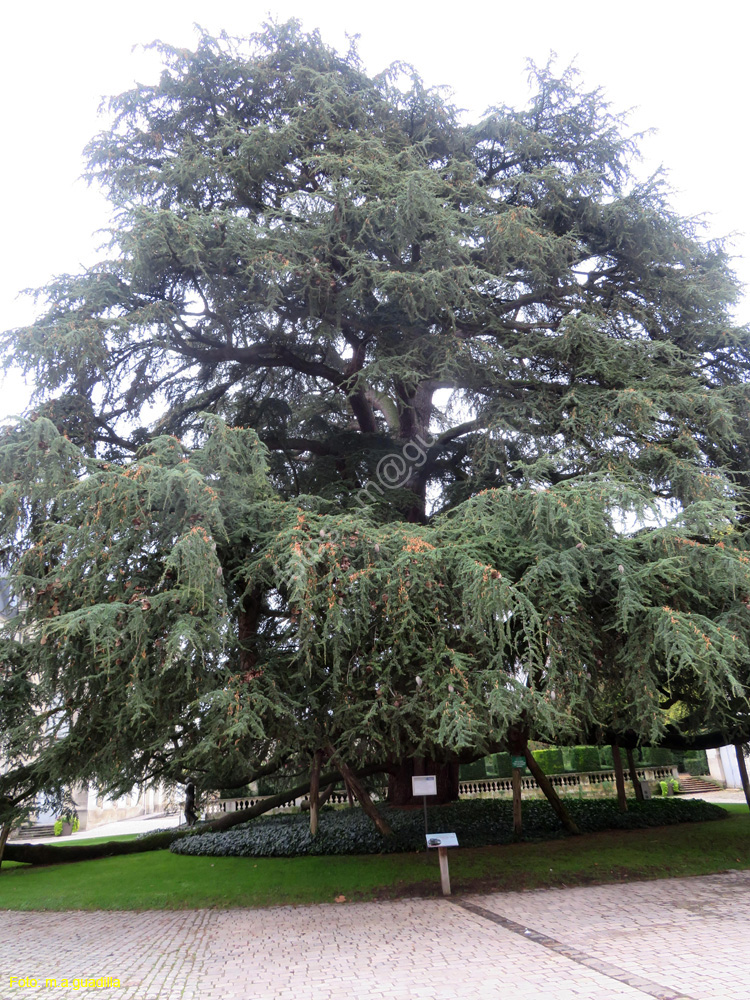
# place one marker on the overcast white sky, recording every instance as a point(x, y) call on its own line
point(681, 66)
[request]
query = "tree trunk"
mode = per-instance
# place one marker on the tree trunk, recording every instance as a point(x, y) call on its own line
point(399, 782)
point(634, 774)
point(619, 778)
point(546, 786)
point(361, 793)
point(4, 834)
point(743, 771)
point(48, 854)
point(315, 792)
point(414, 406)
point(517, 815)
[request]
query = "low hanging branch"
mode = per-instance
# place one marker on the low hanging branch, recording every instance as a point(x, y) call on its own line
point(49, 854)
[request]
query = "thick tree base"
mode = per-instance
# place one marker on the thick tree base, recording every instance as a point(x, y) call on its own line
point(401, 773)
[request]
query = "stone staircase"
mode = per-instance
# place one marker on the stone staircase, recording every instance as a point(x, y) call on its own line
point(32, 832)
point(689, 785)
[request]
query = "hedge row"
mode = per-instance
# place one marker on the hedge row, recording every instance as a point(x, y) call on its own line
point(695, 762)
point(477, 823)
point(551, 761)
point(583, 758)
point(557, 760)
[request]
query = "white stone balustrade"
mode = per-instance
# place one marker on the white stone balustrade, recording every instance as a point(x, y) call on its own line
point(487, 787)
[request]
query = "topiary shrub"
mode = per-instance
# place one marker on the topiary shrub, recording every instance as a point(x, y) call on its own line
point(475, 771)
point(551, 761)
point(697, 769)
point(503, 767)
point(657, 757)
point(582, 758)
point(695, 762)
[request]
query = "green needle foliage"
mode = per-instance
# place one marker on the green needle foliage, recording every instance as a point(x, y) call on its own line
point(440, 362)
point(176, 616)
point(313, 252)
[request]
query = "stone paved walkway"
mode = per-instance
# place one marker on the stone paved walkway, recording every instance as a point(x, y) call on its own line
point(682, 938)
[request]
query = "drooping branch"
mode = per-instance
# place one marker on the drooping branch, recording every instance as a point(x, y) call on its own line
point(47, 854)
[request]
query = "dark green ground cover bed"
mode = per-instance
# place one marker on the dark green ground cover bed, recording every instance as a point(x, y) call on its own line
point(477, 823)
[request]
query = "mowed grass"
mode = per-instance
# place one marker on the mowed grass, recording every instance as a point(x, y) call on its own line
point(161, 880)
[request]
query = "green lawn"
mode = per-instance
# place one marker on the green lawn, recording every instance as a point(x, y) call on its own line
point(160, 879)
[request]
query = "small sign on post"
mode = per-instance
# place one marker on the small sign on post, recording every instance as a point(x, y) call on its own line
point(443, 841)
point(518, 761)
point(424, 785)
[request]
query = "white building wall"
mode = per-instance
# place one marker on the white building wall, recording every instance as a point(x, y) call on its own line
point(722, 764)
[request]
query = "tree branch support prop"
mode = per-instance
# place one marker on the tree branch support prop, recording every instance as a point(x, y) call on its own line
point(546, 786)
point(517, 808)
point(634, 774)
point(743, 771)
point(360, 793)
point(622, 801)
point(4, 834)
point(315, 793)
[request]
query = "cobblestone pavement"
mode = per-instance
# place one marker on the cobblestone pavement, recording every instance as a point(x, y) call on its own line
point(682, 938)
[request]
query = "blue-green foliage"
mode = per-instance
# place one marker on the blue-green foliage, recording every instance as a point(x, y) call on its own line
point(477, 823)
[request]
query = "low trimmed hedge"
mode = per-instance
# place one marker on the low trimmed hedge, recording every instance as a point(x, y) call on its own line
point(477, 823)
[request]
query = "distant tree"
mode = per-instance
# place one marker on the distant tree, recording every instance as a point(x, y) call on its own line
point(409, 311)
